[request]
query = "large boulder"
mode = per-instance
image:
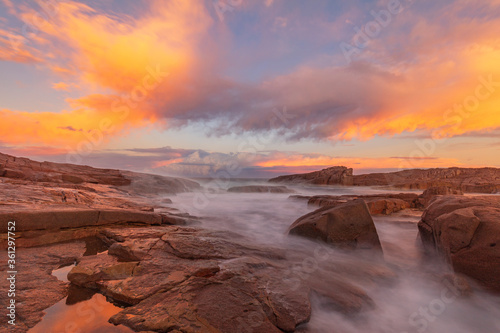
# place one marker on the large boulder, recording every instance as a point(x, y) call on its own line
point(348, 225)
point(466, 231)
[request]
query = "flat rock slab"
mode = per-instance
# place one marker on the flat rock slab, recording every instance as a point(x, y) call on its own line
point(63, 217)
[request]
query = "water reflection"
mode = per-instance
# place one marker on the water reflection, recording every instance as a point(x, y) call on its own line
point(81, 312)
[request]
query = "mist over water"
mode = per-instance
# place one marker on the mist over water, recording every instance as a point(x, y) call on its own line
point(420, 297)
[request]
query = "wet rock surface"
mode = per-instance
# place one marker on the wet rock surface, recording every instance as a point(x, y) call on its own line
point(378, 204)
point(348, 225)
point(36, 288)
point(174, 276)
point(466, 231)
point(470, 180)
point(193, 280)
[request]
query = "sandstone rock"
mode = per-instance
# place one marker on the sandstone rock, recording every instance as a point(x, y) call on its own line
point(347, 226)
point(466, 231)
point(132, 249)
point(331, 176)
point(260, 189)
point(470, 180)
point(36, 288)
point(377, 204)
point(63, 217)
point(142, 183)
point(26, 169)
point(92, 269)
point(23, 168)
point(431, 193)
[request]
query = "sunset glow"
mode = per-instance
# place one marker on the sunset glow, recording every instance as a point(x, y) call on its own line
point(102, 79)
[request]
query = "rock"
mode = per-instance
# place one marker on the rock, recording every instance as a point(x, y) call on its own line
point(426, 198)
point(198, 305)
point(338, 175)
point(349, 226)
point(23, 168)
point(62, 217)
point(194, 280)
point(466, 232)
point(470, 180)
point(260, 189)
point(36, 288)
point(92, 269)
point(26, 169)
point(132, 249)
point(385, 204)
point(142, 183)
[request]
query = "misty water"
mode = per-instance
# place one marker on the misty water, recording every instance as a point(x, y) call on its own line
point(418, 298)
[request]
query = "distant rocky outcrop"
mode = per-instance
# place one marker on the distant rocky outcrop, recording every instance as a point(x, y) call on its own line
point(260, 189)
point(338, 175)
point(348, 226)
point(378, 204)
point(465, 231)
point(383, 203)
point(470, 180)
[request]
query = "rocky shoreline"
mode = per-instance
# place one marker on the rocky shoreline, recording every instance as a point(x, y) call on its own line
point(467, 180)
point(172, 275)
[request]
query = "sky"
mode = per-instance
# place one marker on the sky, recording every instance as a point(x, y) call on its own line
point(251, 88)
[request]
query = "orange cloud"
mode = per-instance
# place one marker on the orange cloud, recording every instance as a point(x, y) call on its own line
point(298, 161)
point(128, 59)
point(13, 48)
point(438, 80)
point(167, 162)
point(63, 86)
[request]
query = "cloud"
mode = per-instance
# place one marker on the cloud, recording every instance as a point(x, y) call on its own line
point(165, 68)
point(63, 86)
point(200, 163)
point(14, 49)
